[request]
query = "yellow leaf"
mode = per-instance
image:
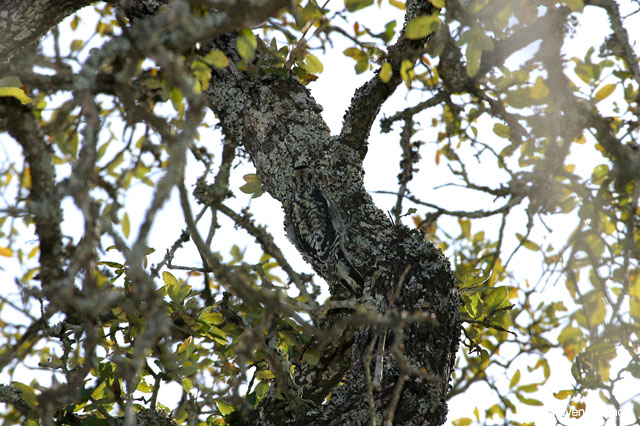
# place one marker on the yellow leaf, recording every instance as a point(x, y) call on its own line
point(385, 72)
point(184, 345)
point(251, 177)
point(33, 252)
point(6, 252)
point(501, 130)
point(16, 92)
point(473, 54)
point(527, 243)
point(187, 384)
point(563, 394)
point(76, 45)
point(313, 64)
point(515, 379)
point(217, 58)
point(245, 48)
point(169, 279)
point(27, 394)
point(539, 90)
point(604, 92)
point(353, 5)
point(529, 401)
point(98, 393)
point(437, 3)
point(224, 408)
point(580, 139)
point(465, 225)
point(265, 375)
point(126, 225)
point(400, 5)
point(422, 26)
point(74, 22)
point(575, 5)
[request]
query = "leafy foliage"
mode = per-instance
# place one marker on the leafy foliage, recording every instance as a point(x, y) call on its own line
point(548, 141)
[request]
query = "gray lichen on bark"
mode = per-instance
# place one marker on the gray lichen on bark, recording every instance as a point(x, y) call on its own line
point(278, 123)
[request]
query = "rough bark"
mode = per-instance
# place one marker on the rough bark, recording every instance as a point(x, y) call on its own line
point(278, 123)
point(23, 22)
point(275, 119)
point(44, 201)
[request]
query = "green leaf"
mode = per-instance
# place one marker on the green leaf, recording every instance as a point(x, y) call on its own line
point(27, 394)
point(533, 387)
point(261, 389)
point(312, 11)
point(186, 384)
point(311, 356)
point(474, 306)
point(501, 130)
point(169, 279)
point(362, 66)
point(465, 226)
point(17, 93)
point(496, 297)
point(353, 5)
point(604, 92)
point(176, 96)
point(217, 58)
point(527, 243)
point(599, 173)
point(569, 335)
point(76, 45)
point(253, 185)
point(218, 334)
point(265, 375)
point(473, 54)
point(144, 387)
point(385, 72)
point(210, 317)
point(246, 45)
point(563, 394)
point(313, 64)
point(224, 408)
point(528, 401)
point(98, 393)
point(515, 379)
point(422, 26)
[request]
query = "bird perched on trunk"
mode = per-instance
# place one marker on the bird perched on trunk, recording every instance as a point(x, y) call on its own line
point(317, 230)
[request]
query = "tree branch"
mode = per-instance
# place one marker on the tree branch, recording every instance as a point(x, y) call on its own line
point(24, 22)
point(368, 99)
point(44, 200)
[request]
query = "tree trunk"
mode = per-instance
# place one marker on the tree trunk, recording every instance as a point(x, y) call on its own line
point(412, 322)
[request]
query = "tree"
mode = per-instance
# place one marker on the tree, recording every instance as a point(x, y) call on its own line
point(253, 342)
